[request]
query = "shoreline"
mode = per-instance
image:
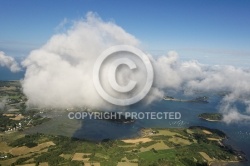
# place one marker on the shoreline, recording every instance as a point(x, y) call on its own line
point(210, 120)
point(144, 133)
point(144, 136)
point(179, 100)
point(182, 100)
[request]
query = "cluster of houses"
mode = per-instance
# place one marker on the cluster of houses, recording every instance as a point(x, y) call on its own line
point(16, 128)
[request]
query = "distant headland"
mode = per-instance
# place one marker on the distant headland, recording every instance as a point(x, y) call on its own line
point(211, 116)
point(202, 99)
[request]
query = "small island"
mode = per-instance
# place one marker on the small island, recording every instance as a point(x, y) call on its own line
point(211, 116)
point(201, 99)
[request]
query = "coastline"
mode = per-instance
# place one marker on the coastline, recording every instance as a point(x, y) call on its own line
point(148, 132)
point(210, 120)
point(154, 138)
point(196, 100)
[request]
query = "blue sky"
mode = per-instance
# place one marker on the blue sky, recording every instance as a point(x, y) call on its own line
point(194, 28)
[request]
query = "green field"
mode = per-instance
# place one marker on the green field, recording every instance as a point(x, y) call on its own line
point(165, 147)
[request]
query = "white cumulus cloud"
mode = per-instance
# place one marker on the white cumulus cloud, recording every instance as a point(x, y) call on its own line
point(59, 74)
point(9, 62)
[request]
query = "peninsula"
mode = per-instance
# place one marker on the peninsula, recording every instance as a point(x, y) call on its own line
point(211, 116)
point(202, 99)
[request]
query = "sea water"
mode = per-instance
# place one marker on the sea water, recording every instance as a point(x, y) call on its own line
point(96, 130)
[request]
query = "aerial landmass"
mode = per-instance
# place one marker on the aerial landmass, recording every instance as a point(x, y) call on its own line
point(155, 146)
point(201, 99)
point(211, 116)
